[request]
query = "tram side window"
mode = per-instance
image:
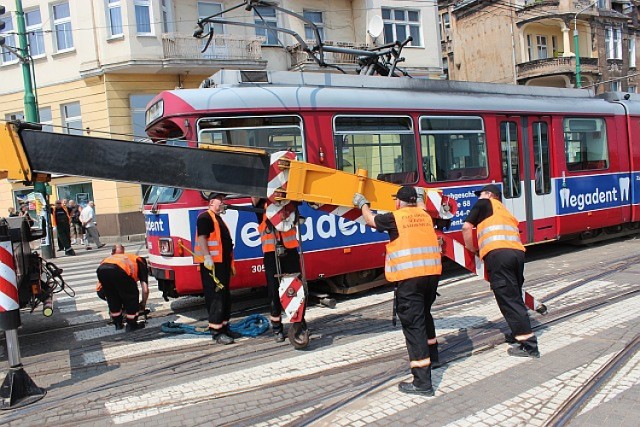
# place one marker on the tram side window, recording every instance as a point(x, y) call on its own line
point(510, 160)
point(384, 146)
point(272, 133)
point(453, 148)
point(585, 144)
point(541, 158)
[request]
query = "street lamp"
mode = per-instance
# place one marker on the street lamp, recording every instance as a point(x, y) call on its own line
point(576, 45)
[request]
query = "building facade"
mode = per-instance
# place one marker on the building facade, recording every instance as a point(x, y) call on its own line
point(533, 42)
point(98, 63)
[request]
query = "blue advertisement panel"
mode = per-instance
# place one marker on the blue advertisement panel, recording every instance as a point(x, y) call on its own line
point(587, 193)
point(466, 198)
point(635, 177)
point(157, 225)
point(320, 231)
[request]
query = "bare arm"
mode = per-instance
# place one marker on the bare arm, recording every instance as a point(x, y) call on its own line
point(368, 216)
point(144, 286)
point(204, 246)
point(467, 234)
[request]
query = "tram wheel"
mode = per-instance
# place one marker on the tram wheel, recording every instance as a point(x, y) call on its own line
point(299, 335)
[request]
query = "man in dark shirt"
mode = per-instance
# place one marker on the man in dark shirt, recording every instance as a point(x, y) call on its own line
point(503, 254)
point(62, 222)
point(215, 249)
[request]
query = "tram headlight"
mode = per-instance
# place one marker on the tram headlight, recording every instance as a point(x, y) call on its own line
point(155, 111)
point(165, 246)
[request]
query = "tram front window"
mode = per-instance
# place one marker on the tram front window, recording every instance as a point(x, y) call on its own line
point(271, 133)
point(157, 194)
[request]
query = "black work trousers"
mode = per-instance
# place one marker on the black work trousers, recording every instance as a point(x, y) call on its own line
point(218, 301)
point(289, 264)
point(505, 268)
point(64, 236)
point(414, 299)
point(120, 290)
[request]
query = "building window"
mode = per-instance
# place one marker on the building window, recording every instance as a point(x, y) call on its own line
point(138, 105)
point(143, 16)
point(615, 86)
point(167, 16)
point(62, 27)
point(613, 42)
point(317, 18)
point(270, 20)
point(632, 89)
point(445, 26)
point(541, 42)
point(218, 48)
point(19, 115)
point(400, 24)
point(114, 12)
point(71, 118)
point(9, 40)
point(33, 21)
point(632, 52)
point(46, 120)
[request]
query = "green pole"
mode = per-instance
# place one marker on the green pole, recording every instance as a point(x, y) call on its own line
point(577, 49)
point(31, 115)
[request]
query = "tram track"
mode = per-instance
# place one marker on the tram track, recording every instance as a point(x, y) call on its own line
point(482, 340)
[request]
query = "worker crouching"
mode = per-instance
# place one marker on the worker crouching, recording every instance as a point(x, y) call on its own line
point(413, 260)
point(118, 274)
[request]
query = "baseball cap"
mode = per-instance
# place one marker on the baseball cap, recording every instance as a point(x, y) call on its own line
point(492, 188)
point(407, 194)
point(215, 194)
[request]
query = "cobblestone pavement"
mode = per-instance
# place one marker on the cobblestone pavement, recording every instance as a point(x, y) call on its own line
point(349, 374)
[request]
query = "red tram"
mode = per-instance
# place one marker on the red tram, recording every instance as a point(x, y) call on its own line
point(567, 161)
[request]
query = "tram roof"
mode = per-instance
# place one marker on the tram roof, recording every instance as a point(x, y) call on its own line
point(290, 91)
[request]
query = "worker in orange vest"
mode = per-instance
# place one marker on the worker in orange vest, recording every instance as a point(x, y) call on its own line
point(280, 256)
point(413, 260)
point(118, 274)
point(503, 254)
point(214, 252)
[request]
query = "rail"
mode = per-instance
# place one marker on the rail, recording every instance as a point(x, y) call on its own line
point(222, 47)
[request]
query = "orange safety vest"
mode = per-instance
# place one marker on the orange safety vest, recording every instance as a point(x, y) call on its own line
point(499, 231)
point(127, 262)
point(416, 251)
point(214, 243)
point(53, 217)
point(269, 239)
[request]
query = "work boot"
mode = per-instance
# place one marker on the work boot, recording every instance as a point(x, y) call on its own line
point(220, 337)
point(421, 384)
point(278, 331)
point(527, 348)
point(133, 325)
point(69, 252)
point(510, 339)
point(229, 332)
point(434, 356)
point(117, 321)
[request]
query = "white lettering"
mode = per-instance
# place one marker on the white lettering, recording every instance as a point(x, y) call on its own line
point(584, 200)
point(347, 227)
point(329, 220)
point(250, 235)
point(157, 225)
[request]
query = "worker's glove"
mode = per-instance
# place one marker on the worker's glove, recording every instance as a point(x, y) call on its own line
point(208, 262)
point(359, 200)
point(420, 194)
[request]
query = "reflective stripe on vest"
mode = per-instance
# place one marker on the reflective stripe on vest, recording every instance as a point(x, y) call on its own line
point(499, 231)
point(126, 262)
point(269, 240)
point(416, 251)
point(214, 243)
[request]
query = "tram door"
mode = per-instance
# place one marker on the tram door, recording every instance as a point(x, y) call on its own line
point(526, 183)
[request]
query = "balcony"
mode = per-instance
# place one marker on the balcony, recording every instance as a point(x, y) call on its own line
point(300, 60)
point(555, 66)
point(223, 48)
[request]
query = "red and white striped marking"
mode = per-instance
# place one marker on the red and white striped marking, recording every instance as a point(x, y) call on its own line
point(280, 213)
point(292, 297)
point(438, 205)
point(458, 252)
point(8, 282)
